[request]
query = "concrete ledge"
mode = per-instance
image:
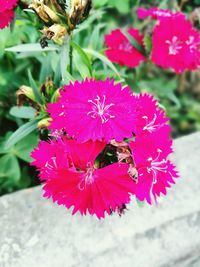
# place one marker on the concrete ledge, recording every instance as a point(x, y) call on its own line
point(37, 233)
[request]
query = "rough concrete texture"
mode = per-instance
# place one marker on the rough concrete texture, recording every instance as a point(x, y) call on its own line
point(37, 233)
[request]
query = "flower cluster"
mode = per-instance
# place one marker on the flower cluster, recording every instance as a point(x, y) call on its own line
point(107, 145)
point(6, 12)
point(175, 42)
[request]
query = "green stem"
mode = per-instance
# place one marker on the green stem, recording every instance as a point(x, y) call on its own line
point(71, 57)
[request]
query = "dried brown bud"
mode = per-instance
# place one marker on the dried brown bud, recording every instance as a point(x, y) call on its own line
point(56, 33)
point(79, 11)
point(24, 93)
point(132, 171)
point(44, 12)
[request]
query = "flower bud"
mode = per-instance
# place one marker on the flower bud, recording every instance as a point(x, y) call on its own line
point(79, 11)
point(56, 33)
point(44, 12)
point(24, 93)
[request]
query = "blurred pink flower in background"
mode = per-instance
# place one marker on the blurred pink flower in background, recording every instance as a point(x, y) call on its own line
point(176, 44)
point(5, 18)
point(120, 50)
point(155, 13)
point(7, 4)
point(6, 12)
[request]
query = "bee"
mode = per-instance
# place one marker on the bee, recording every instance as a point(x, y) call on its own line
point(43, 42)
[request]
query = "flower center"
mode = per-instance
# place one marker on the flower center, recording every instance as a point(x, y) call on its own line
point(161, 13)
point(150, 126)
point(174, 45)
point(88, 178)
point(125, 46)
point(100, 109)
point(192, 45)
point(156, 166)
point(50, 166)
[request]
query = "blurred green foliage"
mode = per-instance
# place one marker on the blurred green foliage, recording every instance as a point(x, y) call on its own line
point(178, 95)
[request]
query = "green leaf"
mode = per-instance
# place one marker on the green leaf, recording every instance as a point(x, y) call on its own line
point(46, 69)
point(24, 147)
point(103, 59)
point(64, 59)
point(23, 112)
point(94, 38)
point(21, 132)
point(135, 43)
point(10, 169)
point(4, 150)
point(100, 3)
point(36, 91)
point(122, 6)
point(25, 179)
point(83, 56)
point(148, 43)
point(24, 48)
point(85, 25)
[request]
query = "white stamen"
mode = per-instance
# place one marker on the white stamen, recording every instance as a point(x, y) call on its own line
point(192, 45)
point(88, 178)
point(151, 126)
point(162, 13)
point(99, 109)
point(155, 167)
point(174, 45)
point(127, 47)
point(50, 167)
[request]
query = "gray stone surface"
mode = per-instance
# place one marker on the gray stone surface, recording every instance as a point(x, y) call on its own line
point(36, 233)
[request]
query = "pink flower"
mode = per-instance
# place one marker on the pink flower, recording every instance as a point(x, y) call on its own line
point(155, 13)
point(71, 177)
point(176, 44)
point(6, 18)
point(149, 117)
point(155, 172)
point(7, 5)
point(94, 110)
point(121, 51)
point(49, 155)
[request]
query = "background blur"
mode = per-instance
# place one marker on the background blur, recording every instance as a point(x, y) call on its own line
point(178, 94)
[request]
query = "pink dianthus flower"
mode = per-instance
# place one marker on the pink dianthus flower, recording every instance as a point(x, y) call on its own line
point(155, 171)
point(120, 50)
point(72, 178)
point(176, 44)
point(149, 117)
point(94, 110)
point(156, 13)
